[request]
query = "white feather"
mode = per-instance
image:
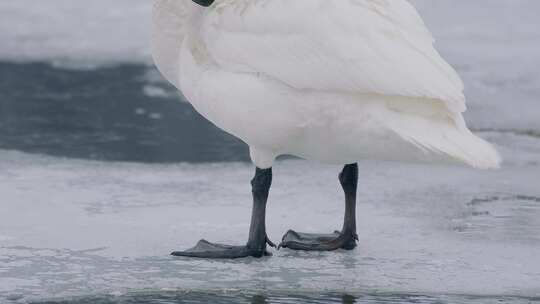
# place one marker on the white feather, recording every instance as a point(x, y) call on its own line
point(363, 46)
point(169, 27)
point(332, 80)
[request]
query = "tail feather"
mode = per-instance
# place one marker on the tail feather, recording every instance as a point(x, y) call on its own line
point(448, 138)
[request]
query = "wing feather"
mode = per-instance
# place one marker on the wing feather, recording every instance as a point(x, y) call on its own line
point(355, 46)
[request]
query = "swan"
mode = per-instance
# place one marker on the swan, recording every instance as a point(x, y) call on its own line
point(335, 81)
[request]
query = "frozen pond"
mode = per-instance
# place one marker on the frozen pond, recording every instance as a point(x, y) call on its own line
point(72, 227)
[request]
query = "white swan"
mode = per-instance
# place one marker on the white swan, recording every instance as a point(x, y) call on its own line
point(330, 80)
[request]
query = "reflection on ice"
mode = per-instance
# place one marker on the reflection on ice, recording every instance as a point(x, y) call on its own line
point(70, 227)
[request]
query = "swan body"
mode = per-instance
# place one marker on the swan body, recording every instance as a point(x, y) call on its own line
point(330, 80)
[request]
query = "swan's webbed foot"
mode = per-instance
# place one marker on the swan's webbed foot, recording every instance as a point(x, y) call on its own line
point(319, 242)
point(208, 250)
point(205, 3)
point(346, 239)
point(258, 239)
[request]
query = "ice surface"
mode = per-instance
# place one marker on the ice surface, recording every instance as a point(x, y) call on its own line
point(70, 227)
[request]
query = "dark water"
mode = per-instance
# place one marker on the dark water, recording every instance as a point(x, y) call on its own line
point(254, 298)
point(105, 114)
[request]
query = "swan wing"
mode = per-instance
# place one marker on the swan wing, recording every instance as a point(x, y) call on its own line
point(356, 46)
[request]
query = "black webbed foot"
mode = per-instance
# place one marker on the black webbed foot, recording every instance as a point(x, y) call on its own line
point(318, 242)
point(208, 250)
point(346, 239)
point(257, 240)
point(205, 3)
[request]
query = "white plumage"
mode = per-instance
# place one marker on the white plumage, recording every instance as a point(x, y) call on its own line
point(332, 80)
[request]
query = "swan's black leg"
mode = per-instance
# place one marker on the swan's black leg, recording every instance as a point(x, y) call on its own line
point(256, 245)
point(344, 239)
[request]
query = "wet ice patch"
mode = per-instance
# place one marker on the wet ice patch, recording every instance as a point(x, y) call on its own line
point(505, 217)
